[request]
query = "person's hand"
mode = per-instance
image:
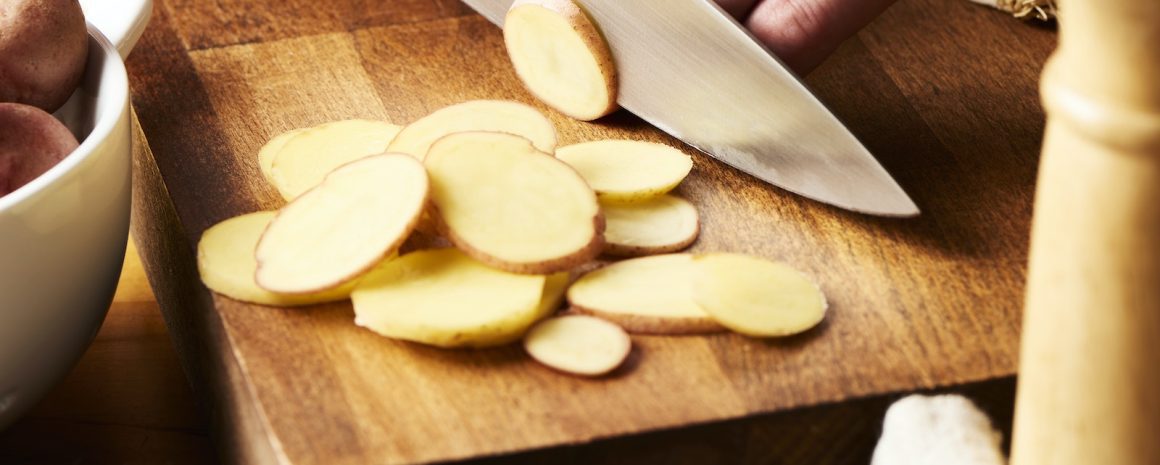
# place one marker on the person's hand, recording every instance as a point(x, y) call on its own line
point(804, 32)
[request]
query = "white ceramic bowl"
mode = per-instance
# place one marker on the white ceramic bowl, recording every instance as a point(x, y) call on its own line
point(63, 235)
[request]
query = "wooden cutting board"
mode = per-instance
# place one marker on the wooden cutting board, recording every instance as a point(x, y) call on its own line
point(943, 92)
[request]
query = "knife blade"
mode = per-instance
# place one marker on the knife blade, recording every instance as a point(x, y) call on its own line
point(688, 68)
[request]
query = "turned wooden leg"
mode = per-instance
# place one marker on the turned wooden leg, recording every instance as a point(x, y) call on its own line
point(1089, 376)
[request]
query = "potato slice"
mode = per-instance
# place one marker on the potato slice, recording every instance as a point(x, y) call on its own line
point(662, 224)
point(476, 115)
point(307, 157)
point(555, 285)
point(444, 298)
point(578, 344)
point(756, 297)
point(627, 170)
point(225, 260)
point(511, 206)
point(360, 213)
point(644, 295)
point(270, 149)
point(561, 57)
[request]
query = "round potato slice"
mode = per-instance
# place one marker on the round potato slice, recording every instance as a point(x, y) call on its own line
point(225, 261)
point(627, 170)
point(578, 344)
point(270, 149)
point(756, 297)
point(308, 156)
point(662, 224)
point(360, 213)
point(509, 205)
point(650, 295)
point(476, 115)
point(561, 57)
point(445, 298)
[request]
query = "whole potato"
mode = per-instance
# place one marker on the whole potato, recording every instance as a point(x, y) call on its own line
point(43, 48)
point(31, 142)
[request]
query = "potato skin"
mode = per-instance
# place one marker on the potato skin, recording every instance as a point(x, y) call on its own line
point(44, 45)
point(31, 142)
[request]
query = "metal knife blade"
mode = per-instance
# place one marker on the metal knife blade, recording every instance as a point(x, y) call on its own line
point(689, 69)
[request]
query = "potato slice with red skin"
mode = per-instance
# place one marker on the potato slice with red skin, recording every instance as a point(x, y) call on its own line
point(578, 344)
point(756, 297)
point(511, 206)
point(627, 170)
point(305, 158)
point(561, 57)
point(476, 115)
point(31, 142)
point(651, 295)
point(226, 264)
point(662, 224)
point(444, 298)
point(360, 213)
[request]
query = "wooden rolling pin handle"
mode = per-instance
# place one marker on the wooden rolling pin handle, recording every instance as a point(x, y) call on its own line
point(1089, 377)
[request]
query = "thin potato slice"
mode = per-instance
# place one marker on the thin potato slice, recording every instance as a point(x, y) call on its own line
point(270, 149)
point(662, 224)
point(225, 261)
point(627, 170)
point(360, 213)
point(511, 206)
point(644, 295)
point(578, 344)
point(756, 297)
point(444, 298)
point(561, 57)
point(476, 115)
point(308, 156)
point(554, 287)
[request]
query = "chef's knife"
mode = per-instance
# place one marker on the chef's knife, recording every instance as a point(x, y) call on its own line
point(688, 68)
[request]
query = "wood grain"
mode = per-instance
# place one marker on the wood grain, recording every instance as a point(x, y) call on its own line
point(916, 304)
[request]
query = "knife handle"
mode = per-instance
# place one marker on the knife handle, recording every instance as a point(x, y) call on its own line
point(1089, 376)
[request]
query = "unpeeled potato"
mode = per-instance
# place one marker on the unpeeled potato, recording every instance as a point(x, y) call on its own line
point(44, 45)
point(31, 142)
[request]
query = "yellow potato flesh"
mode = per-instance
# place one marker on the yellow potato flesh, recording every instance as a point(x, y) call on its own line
point(476, 115)
point(578, 344)
point(660, 224)
point(359, 214)
point(626, 170)
point(445, 298)
point(511, 205)
point(270, 149)
point(649, 295)
point(561, 58)
point(225, 260)
point(756, 297)
point(307, 157)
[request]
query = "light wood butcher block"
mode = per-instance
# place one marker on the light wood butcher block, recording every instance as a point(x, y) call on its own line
point(943, 92)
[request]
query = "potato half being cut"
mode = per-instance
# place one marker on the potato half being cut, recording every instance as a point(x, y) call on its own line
point(561, 57)
point(476, 115)
point(511, 206)
point(360, 213)
point(662, 224)
point(644, 295)
point(308, 156)
point(225, 261)
point(627, 170)
point(756, 297)
point(445, 298)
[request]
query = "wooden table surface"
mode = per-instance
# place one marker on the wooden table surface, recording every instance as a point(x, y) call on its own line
point(944, 93)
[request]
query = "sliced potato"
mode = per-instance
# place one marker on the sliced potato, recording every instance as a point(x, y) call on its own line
point(756, 297)
point(360, 213)
point(509, 205)
point(445, 298)
point(644, 295)
point(561, 57)
point(627, 170)
point(661, 224)
point(578, 344)
point(554, 287)
point(225, 261)
point(476, 115)
point(307, 157)
point(270, 149)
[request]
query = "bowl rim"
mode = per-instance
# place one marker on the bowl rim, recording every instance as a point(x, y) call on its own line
point(114, 87)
